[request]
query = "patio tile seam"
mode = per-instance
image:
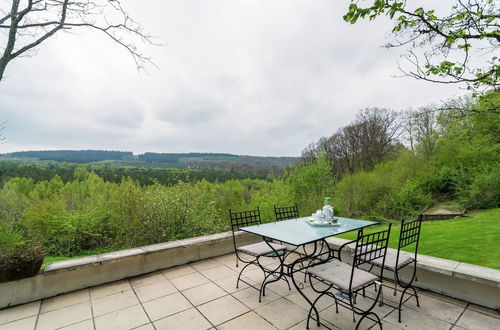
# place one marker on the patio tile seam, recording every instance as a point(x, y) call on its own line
point(65, 306)
point(442, 297)
point(143, 285)
point(109, 294)
point(166, 270)
point(418, 309)
point(67, 325)
point(209, 301)
point(157, 298)
point(296, 304)
point(240, 315)
point(142, 306)
point(137, 327)
point(92, 311)
point(114, 311)
point(460, 316)
point(196, 286)
point(205, 260)
point(195, 307)
point(243, 303)
point(223, 288)
point(38, 314)
point(484, 313)
point(22, 318)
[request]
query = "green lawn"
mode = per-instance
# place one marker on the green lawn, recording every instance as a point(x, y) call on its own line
point(473, 239)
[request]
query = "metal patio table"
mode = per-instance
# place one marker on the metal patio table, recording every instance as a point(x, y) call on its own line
point(300, 233)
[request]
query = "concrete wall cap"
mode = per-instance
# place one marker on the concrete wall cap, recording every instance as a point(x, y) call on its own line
point(66, 265)
point(452, 268)
point(122, 255)
point(478, 274)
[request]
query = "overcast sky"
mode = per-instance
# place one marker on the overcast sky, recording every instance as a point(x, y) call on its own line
point(244, 77)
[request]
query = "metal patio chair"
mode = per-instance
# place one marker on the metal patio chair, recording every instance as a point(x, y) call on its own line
point(286, 212)
point(257, 250)
point(396, 260)
point(349, 279)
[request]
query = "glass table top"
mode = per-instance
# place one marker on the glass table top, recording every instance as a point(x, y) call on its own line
point(299, 232)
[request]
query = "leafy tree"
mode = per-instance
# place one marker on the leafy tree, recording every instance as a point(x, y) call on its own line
point(422, 130)
point(310, 183)
point(370, 139)
point(442, 48)
point(27, 24)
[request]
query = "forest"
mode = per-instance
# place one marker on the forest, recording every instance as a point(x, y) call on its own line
point(385, 165)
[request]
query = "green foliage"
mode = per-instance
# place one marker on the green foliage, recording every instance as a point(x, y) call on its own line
point(8, 239)
point(90, 214)
point(310, 183)
point(74, 156)
point(459, 165)
point(390, 190)
point(166, 168)
point(46, 170)
point(445, 43)
point(484, 190)
point(405, 201)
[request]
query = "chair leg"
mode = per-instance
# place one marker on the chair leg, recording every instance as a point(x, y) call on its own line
point(241, 272)
point(352, 303)
point(365, 316)
point(395, 283)
point(381, 295)
point(406, 287)
point(401, 303)
point(313, 308)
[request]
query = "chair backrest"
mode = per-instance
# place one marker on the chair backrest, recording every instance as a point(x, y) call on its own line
point(370, 247)
point(286, 212)
point(410, 234)
point(244, 218)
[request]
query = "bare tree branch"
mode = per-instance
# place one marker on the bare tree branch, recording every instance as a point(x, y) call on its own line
point(40, 20)
point(449, 46)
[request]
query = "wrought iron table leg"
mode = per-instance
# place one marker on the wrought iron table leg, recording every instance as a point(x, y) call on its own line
point(301, 286)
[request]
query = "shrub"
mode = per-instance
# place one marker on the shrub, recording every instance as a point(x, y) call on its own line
point(484, 191)
point(24, 260)
point(410, 199)
point(8, 238)
point(359, 193)
point(310, 183)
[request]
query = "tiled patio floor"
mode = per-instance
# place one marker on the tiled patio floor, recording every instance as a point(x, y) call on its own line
point(203, 295)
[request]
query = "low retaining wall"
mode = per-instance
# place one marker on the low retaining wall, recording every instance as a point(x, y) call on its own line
point(74, 274)
point(471, 283)
point(475, 284)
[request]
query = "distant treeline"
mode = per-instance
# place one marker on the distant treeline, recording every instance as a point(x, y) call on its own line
point(154, 157)
point(90, 156)
point(74, 156)
point(253, 165)
point(47, 170)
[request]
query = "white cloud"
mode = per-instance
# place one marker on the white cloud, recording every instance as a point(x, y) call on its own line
point(246, 77)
